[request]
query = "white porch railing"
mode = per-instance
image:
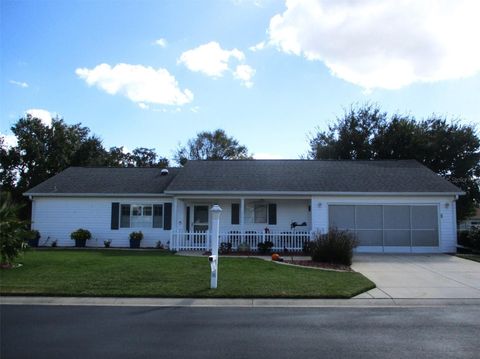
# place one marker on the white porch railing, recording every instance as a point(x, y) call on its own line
point(291, 241)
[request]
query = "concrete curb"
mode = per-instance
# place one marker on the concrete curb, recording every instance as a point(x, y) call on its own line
point(238, 302)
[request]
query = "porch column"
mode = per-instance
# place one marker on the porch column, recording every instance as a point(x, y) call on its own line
point(242, 214)
point(174, 214)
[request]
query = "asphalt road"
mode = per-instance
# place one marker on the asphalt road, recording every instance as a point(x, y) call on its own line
point(156, 332)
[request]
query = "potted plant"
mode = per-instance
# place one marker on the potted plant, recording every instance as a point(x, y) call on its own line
point(80, 236)
point(135, 238)
point(33, 237)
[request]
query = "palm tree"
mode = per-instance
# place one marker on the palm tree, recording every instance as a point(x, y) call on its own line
point(13, 231)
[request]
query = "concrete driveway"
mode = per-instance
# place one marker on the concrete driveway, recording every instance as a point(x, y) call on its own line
point(419, 275)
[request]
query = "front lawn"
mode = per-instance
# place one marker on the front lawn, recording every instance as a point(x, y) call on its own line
point(158, 274)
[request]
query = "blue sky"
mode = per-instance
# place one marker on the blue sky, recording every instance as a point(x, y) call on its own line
point(315, 59)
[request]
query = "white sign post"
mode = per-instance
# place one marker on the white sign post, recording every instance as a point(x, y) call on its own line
point(213, 259)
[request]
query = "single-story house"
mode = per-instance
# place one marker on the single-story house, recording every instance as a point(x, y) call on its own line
point(391, 206)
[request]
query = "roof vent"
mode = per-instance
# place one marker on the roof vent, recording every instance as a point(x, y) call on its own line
point(163, 172)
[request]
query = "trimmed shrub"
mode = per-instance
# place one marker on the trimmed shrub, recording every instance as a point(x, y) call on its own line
point(265, 247)
point(32, 238)
point(470, 239)
point(307, 248)
point(333, 247)
point(225, 248)
point(243, 247)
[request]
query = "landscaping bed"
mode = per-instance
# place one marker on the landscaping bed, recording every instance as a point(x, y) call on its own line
point(110, 272)
point(470, 256)
point(321, 265)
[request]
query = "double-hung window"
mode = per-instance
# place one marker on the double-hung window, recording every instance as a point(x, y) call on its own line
point(141, 216)
point(260, 213)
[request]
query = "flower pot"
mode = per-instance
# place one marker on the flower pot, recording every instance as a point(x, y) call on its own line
point(80, 242)
point(134, 243)
point(33, 242)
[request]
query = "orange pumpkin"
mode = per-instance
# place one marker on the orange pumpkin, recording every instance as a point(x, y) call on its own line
point(275, 257)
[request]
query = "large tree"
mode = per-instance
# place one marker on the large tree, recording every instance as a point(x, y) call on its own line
point(45, 150)
point(215, 145)
point(446, 147)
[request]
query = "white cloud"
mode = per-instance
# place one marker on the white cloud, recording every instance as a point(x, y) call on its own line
point(43, 115)
point(244, 73)
point(210, 59)
point(140, 84)
point(161, 42)
point(267, 156)
point(258, 47)
point(383, 44)
point(195, 109)
point(9, 140)
point(143, 106)
point(257, 3)
point(19, 83)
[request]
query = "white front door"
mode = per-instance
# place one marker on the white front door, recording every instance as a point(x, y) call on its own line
point(200, 218)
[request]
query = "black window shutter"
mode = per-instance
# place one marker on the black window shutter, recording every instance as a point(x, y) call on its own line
point(235, 213)
point(272, 213)
point(167, 216)
point(115, 215)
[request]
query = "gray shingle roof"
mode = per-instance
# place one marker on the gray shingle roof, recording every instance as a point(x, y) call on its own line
point(304, 176)
point(106, 180)
point(309, 176)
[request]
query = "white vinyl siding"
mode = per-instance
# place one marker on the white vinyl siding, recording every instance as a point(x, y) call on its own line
point(57, 217)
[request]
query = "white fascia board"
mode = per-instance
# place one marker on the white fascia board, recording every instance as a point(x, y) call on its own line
point(299, 193)
point(97, 195)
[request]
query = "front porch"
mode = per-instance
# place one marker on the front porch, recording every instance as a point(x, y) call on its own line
point(244, 223)
point(286, 241)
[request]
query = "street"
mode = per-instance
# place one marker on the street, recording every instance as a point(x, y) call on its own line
point(180, 332)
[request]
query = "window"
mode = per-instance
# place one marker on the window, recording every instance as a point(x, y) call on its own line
point(141, 216)
point(125, 216)
point(260, 213)
point(157, 216)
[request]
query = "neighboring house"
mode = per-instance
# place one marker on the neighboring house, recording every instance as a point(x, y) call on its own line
point(392, 206)
point(471, 222)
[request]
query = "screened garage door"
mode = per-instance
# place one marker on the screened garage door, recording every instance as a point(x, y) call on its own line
point(388, 225)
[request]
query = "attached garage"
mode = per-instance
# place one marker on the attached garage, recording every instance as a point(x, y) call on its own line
point(389, 228)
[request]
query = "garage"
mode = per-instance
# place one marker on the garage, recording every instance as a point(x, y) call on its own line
point(388, 228)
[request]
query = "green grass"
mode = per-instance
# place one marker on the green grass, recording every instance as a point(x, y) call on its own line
point(157, 274)
point(472, 257)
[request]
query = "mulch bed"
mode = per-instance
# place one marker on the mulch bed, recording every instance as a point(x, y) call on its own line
point(255, 254)
point(309, 263)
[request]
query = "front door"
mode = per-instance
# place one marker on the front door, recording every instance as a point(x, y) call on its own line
point(200, 218)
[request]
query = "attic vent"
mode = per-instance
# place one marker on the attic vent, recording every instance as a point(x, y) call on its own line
point(164, 172)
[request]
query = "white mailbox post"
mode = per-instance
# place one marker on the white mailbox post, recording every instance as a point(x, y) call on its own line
point(213, 259)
